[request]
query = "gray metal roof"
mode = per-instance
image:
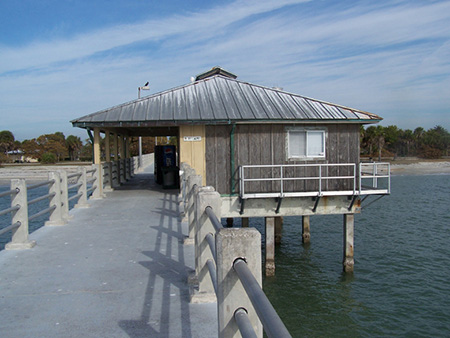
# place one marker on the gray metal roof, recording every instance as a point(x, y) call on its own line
point(220, 99)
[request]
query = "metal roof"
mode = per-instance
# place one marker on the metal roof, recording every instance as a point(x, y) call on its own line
point(221, 99)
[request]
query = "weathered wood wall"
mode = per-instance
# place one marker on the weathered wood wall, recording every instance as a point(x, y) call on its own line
point(266, 144)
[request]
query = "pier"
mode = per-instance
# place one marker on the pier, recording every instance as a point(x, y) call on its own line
point(116, 269)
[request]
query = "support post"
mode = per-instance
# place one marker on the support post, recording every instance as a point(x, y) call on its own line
point(56, 215)
point(192, 182)
point(19, 238)
point(231, 244)
point(278, 229)
point(270, 246)
point(349, 262)
point(97, 193)
point(205, 197)
point(82, 200)
point(245, 221)
point(306, 232)
point(64, 195)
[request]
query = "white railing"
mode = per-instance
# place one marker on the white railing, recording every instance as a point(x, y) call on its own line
point(320, 175)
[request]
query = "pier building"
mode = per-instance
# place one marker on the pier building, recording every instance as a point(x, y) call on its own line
point(267, 152)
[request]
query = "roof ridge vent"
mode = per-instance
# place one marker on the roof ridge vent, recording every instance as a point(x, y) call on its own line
point(215, 71)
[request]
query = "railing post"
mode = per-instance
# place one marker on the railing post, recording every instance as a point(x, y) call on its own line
point(192, 182)
point(127, 168)
point(206, 197)
point(122, 178)
point(56, 215)
point(82, 200)
point(107, 169)
point(64, 195)
point(97, 193)
point(231, 244)
point(116, 174)
point(19, 238)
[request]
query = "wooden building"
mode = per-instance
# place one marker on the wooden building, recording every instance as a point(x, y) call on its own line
point(267, 152)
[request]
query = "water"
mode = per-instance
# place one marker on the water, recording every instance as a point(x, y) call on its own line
point(5, 202)
point(401, 283)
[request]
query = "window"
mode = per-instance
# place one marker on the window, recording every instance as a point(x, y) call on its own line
point(305, 143)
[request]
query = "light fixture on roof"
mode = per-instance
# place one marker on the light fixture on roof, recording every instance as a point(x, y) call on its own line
point(144, 87)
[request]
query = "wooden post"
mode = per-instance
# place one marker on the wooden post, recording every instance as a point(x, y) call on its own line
point(245, 222)
point(349, 262)
point(306, 235)
point(107, 147)
point(96, 145)
point(98, 192)
point(278, 229)
point(270, 246)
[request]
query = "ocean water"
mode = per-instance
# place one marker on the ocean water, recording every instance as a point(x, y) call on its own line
point(401, 283)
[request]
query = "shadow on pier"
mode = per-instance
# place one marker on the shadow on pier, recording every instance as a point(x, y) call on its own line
point(117, 269)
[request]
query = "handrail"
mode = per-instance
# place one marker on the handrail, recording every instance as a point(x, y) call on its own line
point(41, 184)
point(42, 212)
point(6, 211)
point(320, 176)
point(75, 196)
point(38, 199)
point(9, 192)
point(74, 175)
point(243, 323)
point(214, 220)
point(272, 323)
point(9, 228)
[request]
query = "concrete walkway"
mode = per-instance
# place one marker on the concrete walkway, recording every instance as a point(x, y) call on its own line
point(117, 269)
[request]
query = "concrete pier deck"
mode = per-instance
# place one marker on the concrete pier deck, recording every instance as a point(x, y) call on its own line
point(117, 269)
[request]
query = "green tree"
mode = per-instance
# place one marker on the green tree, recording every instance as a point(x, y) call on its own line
point(74, 145)
point(54, 144)
point(6, 141)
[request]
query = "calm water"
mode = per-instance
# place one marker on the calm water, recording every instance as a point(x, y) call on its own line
point(401, 283)
point(5, 202)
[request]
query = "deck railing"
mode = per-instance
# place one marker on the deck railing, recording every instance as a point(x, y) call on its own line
point(63, 190)
point(319, 176)
point(228, 265)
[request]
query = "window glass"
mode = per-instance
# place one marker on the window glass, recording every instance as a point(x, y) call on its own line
point(315, 143)
point(304, 143)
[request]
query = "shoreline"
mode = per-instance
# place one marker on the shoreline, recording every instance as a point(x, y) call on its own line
point(37, 173)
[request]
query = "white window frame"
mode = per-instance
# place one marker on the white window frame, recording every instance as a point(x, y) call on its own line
point(289, 146)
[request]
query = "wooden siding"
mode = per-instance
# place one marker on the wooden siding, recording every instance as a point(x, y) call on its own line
point(266, 144)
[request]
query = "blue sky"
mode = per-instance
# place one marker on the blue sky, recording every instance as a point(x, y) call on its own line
point(62, 59)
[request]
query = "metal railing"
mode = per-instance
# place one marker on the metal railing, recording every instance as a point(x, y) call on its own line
point(232, 259)
point(319, 180)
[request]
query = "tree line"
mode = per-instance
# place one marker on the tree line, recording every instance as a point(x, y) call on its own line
point(391, 141)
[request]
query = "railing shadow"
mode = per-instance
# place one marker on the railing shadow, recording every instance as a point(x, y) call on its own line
point(166, 294)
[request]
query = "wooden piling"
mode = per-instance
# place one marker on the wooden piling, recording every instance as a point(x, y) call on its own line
point(349, 262)
point(306, 234)
point(270, 246)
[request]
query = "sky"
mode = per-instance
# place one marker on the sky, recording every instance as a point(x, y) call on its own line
point(63, 59)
